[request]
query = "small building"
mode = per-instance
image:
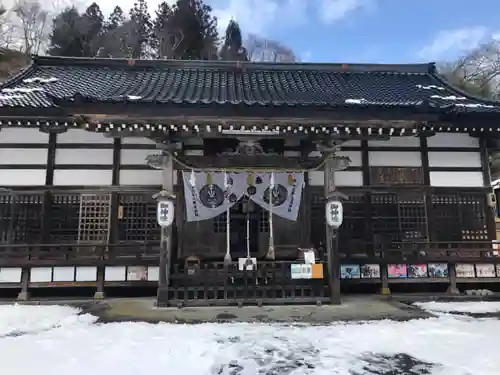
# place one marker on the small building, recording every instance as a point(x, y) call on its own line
point(249, 153)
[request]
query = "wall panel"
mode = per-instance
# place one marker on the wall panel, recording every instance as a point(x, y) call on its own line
point(457, 179)
point(22, 177)
point(452, 140)
point(20, 135)
point(82, 136)
point(135, 157)
point(23, 156)
point(82, 156)
point(342, 178)
point(396, 142)
point(85, 177)
point(454, 159)
point(395, 159)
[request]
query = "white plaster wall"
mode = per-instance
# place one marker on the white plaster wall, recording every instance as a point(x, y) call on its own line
point(342, 178)
point(84, 156)
point(137, 141)
point(396, 142)
point(82, 136)
point(20, 135)
point(135, 157)
point(452, 140)
point(22, 177)
point(457, 179)
point(23, 156)
point(143, 177)
point(395, 159)
point(86, 177)
point(454, 159)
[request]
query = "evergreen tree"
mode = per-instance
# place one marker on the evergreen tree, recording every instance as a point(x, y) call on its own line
point(92, 30)
point(115, 19)
point(233, 49)
point(77, 35)
point(142, 29)
point(65, 39)
point(164, 41)
point(192, 29)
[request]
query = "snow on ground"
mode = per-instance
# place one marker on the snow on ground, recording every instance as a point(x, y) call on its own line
point(60, 343)
point(477, 307)
point(21, 319)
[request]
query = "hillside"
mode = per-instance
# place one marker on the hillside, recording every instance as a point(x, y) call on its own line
point(11, 62)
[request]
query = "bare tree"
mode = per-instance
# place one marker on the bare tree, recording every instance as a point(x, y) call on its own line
point(262, 49)
point(33, 26)
point(478, 71)
point(7, 28)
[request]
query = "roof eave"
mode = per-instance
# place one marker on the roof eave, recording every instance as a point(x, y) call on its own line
point(450, 86)
point(19, 76)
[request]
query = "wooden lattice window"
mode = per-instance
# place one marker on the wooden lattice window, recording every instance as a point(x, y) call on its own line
point(21, 218)
point(317, 207)
point(94, 217)
point(64, 218)
point(390, 176)
point(352, 231)
point(137, 219)
point(398, 218)
point(220, 223)
point(459, 217)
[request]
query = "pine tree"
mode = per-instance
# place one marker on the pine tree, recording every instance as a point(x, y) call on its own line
point(92, 29)
point(233, 49)
point(115, 19)
point(195, 29)
point(66, 37)
point(163, 39)
point(142, 28)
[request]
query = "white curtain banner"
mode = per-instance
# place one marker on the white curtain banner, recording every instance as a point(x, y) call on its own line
point(208, 198)
point(286, 194)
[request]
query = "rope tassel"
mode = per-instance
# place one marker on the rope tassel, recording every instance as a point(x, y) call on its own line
point(227, 257)
point(270, 251)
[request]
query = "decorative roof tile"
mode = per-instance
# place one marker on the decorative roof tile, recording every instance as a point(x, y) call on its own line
point(51, 81)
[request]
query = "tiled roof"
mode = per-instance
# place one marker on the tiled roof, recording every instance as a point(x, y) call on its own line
point(53, 80)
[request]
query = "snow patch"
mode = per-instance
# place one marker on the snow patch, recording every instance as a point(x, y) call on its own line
point(7, 97)
point(17, 320)
point(450, 97)
point(355, 101)
point(40, 80)
point(446, 345)
point(24, 90)
point(475, 105)
point(479, 307)
point(134, 97)
point(430, 87)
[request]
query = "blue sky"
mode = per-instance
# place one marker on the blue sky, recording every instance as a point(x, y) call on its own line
point(390, 31)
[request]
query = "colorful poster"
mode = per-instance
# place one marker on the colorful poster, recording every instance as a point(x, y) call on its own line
point(417, 271)
point(437, 269)
point(464, 270)
point(485, 270)
point(350, 271)
point(137, 273)
point(370, 271)
point(396, 271)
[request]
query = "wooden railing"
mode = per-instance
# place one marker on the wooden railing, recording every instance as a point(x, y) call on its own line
point(133, 253)
point(220, 284)
point(421, 252)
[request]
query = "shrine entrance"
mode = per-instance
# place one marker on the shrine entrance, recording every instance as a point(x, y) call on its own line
point(245, 228)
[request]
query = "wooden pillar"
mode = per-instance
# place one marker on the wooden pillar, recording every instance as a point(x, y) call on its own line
point(166, 236)
point(490, 213)
point(332, 251)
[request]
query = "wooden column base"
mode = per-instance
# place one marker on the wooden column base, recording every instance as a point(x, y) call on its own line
point(162, 296)
point(385, 291)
